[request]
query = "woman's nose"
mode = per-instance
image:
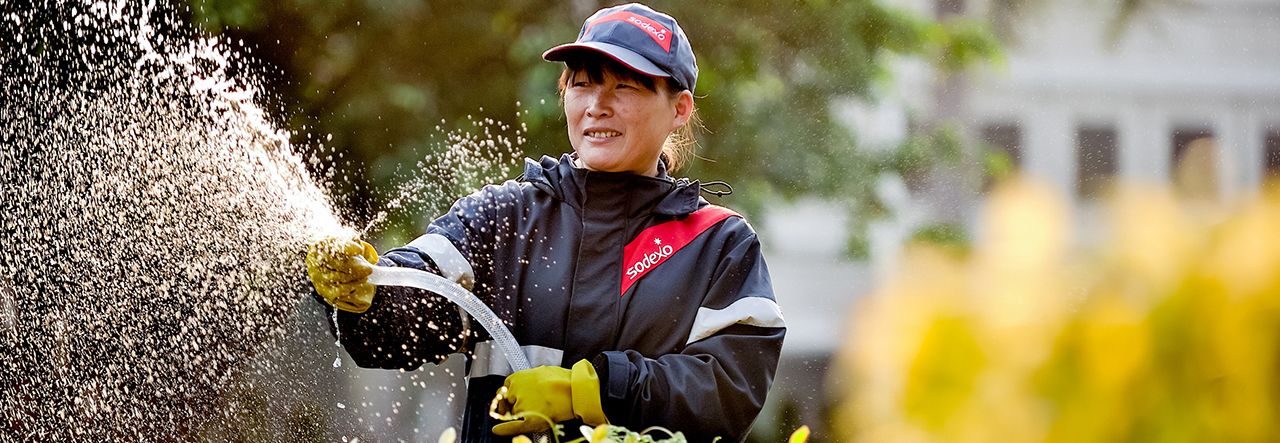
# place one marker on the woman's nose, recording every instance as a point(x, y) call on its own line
point(598, 106)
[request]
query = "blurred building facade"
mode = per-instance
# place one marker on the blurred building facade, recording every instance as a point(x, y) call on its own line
point(1184, 92)
point(1078, 104)
point(1087, 97)
point(1179, 92)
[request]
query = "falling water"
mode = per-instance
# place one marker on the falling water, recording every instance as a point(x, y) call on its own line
point(337, 338)
point(152, 217)
point(152, 223)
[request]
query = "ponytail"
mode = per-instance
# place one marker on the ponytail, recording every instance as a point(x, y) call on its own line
point(681, 143)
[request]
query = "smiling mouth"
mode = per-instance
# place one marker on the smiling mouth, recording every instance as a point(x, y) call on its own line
point(603, 134)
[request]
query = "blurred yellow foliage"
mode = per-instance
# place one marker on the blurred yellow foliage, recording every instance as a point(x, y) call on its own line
point(801, 435)
point(1166, 331)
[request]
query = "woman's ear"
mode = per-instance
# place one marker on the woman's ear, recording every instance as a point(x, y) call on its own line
point(684, 108)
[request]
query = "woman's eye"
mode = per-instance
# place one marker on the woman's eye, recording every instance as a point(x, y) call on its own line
point(579, 84)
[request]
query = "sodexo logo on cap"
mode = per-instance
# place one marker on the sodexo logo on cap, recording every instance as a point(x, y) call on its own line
point(638, 37)
point(660, 34)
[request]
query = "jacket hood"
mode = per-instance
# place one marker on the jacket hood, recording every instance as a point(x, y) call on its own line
point(563, 181)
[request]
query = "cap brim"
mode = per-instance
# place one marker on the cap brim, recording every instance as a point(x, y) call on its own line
point(623, 55)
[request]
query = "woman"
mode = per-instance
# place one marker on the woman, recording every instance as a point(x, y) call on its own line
point(637, 302)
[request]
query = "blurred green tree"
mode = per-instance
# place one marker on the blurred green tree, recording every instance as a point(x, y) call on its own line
point(384, 76)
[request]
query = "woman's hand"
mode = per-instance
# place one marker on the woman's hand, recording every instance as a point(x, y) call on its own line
point(339, 268)
point(553, 393)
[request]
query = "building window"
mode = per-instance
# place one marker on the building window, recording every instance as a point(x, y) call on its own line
point(1095, 159)
point(945, 8)
point(1272, 144)
point(1184, 138)
point(1006, 140)
point(1194, 161)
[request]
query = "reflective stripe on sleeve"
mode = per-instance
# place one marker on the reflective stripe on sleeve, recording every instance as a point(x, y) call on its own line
point(447, 257)
point(754, 311)
point(487, 359)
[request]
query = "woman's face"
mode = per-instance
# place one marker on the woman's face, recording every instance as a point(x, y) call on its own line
point(619, 125)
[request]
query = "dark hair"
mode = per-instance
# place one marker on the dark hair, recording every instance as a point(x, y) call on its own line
point(681, 143)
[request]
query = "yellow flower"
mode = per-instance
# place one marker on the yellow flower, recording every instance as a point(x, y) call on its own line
point(1163, 329)
point(600, 434)
point(801, 435)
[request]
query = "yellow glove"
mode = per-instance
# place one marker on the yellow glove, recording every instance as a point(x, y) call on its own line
point(339, 269)
point(558, 393)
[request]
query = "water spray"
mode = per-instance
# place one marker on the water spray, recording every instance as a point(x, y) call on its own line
point(8, 313)
point(153, 218)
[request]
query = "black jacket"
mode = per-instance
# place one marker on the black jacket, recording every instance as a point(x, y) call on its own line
point(575, 263)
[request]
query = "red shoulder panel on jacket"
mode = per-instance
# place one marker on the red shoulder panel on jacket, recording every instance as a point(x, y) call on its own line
point(659, 242)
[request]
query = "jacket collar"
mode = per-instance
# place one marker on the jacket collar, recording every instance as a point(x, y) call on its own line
point(661, 195)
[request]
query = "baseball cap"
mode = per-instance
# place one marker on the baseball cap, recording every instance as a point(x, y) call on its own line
point(640, 38)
